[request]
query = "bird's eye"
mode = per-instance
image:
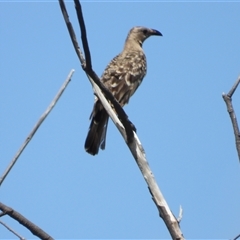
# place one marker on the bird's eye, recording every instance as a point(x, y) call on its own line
point(144, 31)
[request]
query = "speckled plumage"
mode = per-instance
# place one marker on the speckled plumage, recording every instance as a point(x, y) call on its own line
point(124, 74)
point(122, 77)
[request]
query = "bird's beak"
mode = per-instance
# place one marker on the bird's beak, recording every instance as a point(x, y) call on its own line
point(155, 32)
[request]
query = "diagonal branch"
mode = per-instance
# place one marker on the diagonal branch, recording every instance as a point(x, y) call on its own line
point(138, 153)
point(11, 230)
point(238, 236)
point(228, 100)
point(40, 121)
point(72, 33)
point(88, 68)
point(25, 222)
point(129, 127)
point(134, 145)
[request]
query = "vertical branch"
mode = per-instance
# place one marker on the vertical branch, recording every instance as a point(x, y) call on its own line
point(228, 100)
point(72, 33)
point(126, 129)
point(83, 35)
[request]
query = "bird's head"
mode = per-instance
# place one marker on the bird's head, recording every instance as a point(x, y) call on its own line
point(140, 34)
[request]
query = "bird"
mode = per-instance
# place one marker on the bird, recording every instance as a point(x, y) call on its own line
point(122, 77)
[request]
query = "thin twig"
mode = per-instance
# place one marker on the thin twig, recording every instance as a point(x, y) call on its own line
point(228, 100)
point(134, 145)
point(180, 215)
point(11, 230)
point(72, 33)
point(2, 214)
point(40, 121)
point(25, 222)
point(83, 35)
point(231, 92)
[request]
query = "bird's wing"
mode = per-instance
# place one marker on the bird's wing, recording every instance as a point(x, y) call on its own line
point(124, 74)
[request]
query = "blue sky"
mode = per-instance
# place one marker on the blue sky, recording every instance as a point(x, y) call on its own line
point(178, 110)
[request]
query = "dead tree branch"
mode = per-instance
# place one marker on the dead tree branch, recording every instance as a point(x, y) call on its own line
point(40, 121)
point(228, 100)
point(122, 123)
point(138, 153)
point(238, 236)
point(129, 127)
point(11, 230)
point(25, 222)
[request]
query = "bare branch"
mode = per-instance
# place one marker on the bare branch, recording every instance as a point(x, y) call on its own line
point(228, 100)
point(238, 236)
point(2, 214)
point(83, 35)
point(25, 222)
point(129, 127)
point(138, 153)
point(40, 121)
point(231, 92)
point(180, 214)
point(72, 33)
point(11, 230)
point(125, 128)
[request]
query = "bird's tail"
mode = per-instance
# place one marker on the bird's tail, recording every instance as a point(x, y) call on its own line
point(97, 130)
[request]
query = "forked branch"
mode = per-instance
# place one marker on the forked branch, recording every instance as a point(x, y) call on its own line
point(122, 123)
point(228, 100)
point(25, 222)
point(87, 66)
